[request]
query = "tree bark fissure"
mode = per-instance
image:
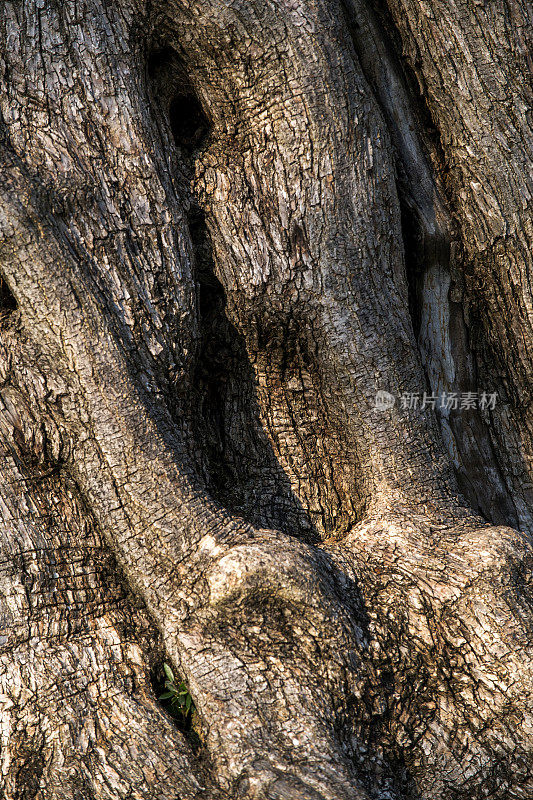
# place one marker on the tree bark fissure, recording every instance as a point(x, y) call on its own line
point(432, 250)
point(485, 130)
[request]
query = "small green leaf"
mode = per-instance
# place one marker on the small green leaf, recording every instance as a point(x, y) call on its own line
point(168, 672)
point(166, 696)
point(188, 702)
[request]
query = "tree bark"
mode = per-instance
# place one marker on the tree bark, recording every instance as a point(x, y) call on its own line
point(225, 227)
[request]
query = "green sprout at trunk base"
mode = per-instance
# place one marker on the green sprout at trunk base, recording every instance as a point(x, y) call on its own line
point(178, 697)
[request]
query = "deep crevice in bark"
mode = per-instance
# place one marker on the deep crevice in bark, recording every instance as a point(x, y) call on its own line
point(188, 122)
point(235, 456)
point(433, 258)
point(8, 303)
point(241, 470)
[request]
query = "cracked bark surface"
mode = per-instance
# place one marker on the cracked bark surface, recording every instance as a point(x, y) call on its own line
point(203, 252)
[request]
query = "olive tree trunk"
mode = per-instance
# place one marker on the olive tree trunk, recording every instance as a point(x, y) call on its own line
point(226, 228)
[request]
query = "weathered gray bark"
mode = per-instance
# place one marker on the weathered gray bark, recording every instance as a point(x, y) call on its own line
point(206, 212)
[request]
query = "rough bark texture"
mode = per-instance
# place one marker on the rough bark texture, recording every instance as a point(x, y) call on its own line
point(224, 227)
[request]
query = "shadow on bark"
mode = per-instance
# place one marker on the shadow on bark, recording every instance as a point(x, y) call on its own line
point(434, 261)
point(236, 458)
point(7, 301)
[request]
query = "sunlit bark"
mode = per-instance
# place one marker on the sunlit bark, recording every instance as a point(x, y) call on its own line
point(224, 228)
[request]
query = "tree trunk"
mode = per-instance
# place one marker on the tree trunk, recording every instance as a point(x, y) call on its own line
point(226, 229)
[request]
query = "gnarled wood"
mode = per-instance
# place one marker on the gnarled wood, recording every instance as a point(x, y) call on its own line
point(190, 188)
